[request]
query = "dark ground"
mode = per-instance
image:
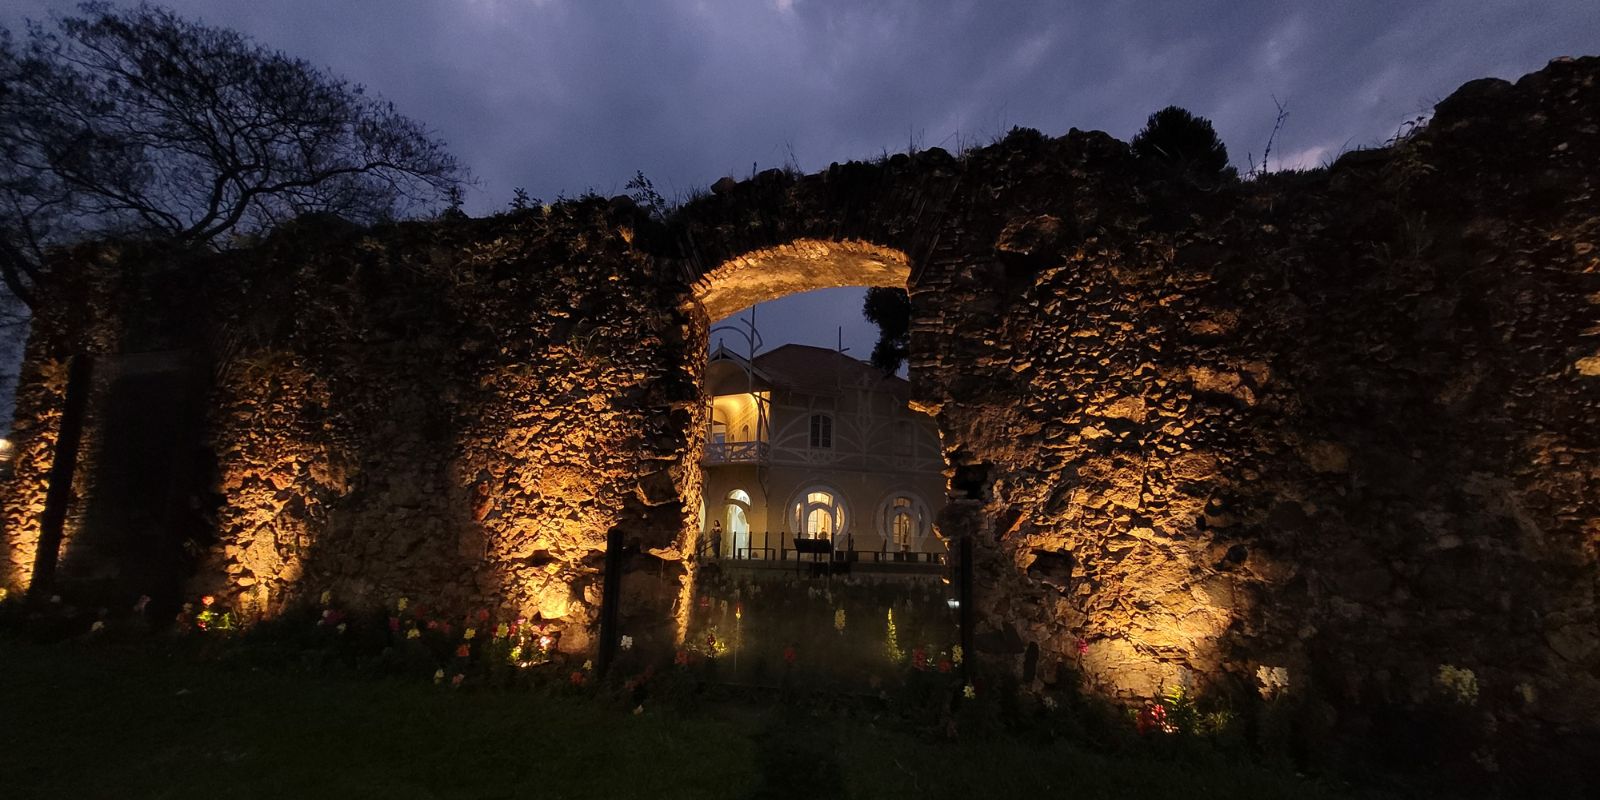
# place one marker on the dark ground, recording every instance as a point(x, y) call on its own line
point(101, 720)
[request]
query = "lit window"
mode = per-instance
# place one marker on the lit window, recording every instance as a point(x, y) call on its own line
point(902, 523)
point(821, 431)
point(818, 514)
point(904, 519)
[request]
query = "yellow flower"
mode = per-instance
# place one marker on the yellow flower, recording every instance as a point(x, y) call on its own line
point(471, 632)
point(413, 634)
point(438, 676)
point(969, 692)
point(400, 605)
point(327, 597)
point(501, 631)
point(955, 655)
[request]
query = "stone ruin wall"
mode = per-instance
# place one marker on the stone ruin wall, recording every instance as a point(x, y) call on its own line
point(1342, 422)
point(428, 411)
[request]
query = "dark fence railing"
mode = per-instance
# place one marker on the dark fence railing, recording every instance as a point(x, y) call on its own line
point(736, 452)
point(785, 546)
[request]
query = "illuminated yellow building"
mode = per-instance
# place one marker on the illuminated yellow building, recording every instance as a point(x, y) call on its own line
point(808, 443)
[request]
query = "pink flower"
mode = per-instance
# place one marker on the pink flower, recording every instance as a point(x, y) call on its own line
point(394, 624)
point(1083, 647)
point(455, 683)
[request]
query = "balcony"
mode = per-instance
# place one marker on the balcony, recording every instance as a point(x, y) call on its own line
point(735, 453)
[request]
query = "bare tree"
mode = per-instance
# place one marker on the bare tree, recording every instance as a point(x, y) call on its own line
point(139, 123)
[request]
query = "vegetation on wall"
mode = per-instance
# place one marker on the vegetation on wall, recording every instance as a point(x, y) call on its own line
point(890, 310)
point(1177, 143)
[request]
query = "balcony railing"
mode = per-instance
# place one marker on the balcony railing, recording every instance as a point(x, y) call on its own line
point(736, 453)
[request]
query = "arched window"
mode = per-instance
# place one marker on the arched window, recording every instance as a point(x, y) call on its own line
point(821, 431)
point(900, 523)
point(818, 513)
point(738, 533)
point(904, 521)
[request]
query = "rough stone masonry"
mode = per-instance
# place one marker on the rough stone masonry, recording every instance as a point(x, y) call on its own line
point(1336, 427)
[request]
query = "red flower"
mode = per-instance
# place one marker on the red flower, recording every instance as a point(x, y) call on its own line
point(789, 655)
point(463, 651)
point(919, 659)
point(711, 640)
point(944, 665)
point(483, 615)
point(705, 602)
point(1152, 717)
point(394, 624)
point(577, 677)
point(207, 601)
point(682, 658)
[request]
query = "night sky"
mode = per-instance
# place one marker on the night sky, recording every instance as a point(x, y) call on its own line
point(566, 96)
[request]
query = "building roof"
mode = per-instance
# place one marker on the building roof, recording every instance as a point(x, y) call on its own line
point(804, 368)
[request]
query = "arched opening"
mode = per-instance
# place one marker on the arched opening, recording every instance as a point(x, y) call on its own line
point(738, 522)
point(818, 513)
point(824, 474)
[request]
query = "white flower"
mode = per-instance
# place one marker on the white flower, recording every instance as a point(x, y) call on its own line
point(969, 691)
point(341, 627)
point(1049, 703)
point(1461, 683)
point(438, 676)
point(1273, 681)
point(627, 642)
point(98, 626)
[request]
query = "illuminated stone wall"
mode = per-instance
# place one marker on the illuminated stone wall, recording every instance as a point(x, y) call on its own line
point(1342, 423)
point(61, 330)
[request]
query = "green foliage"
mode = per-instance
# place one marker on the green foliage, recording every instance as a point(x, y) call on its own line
point(1176, 143)
point(644, 195)
point(522, 201)
point(890, 310)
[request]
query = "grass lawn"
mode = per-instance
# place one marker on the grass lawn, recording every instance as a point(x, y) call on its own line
point(97, 720)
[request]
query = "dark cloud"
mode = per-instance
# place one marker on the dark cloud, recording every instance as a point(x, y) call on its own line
point(564, 96)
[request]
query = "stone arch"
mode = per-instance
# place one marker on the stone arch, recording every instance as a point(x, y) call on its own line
point(798, 266)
